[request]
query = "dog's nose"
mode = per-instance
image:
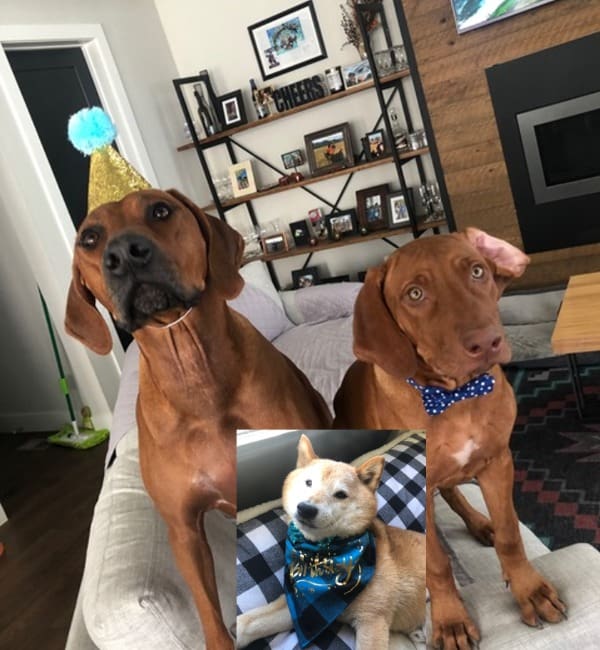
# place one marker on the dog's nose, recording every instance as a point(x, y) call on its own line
point(127, 251)
point(307, 510)
point(482, 342)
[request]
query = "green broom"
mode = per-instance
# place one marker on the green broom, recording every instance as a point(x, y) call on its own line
point(71, 435)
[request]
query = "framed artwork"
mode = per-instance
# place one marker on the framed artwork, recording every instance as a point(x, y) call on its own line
point(199, 105)
point(307, 277)
point(397, 210)
point(288, 40)
point(274, 243)
point(470, 15)
point(375, 145)
point(356, 73)
point(329, 149)
point(242, 178)
point(293, 159)
point(231, 107)
point(300, 232)
point(371, 206)
point(342, 224)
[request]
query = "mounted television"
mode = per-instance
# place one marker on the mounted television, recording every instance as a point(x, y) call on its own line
point(470, 14)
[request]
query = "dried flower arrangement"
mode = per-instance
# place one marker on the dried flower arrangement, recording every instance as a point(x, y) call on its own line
point(351, 27)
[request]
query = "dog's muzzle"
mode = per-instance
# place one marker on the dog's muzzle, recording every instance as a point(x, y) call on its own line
point(141, 280)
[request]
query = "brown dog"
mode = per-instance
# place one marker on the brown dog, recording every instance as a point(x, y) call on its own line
point(430, 313)
point(164, 270)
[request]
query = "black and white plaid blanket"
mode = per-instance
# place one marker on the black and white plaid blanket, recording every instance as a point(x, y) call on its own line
point(261, 541)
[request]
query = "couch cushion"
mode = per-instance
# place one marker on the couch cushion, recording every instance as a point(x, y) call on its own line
point(261, 539)
point(321, 302)
point(133, 595)
point(260, 303)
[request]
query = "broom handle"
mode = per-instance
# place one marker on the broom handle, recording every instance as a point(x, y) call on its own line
point(64, 386)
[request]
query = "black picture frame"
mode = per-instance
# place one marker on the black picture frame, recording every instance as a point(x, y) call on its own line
point(188, 90)
point(375, 145)
point(232, 109)
point(306, 277)
point(293, 159)
point(287, 41)
point(371, 207)
point(398, 211)
point(329, 149)
point(300, 232)
point(342, 224)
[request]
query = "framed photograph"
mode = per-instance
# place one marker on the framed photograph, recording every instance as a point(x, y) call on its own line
point(470, 15)
point(342, 224)
point(397, 210)
point(199, 105)
point(371, 205)
point(356, 73)
point(329, 149)
point(375, 145)
point(242, 178)
point(307, 277)
point(300, 232)
point(317, 222)
point(274, 243)
point(287, 41)
point(293, 159)
point(231, 107)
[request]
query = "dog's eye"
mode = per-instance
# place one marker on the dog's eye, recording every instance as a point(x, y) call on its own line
point(477, 271)
point(415, 293)
point(161, 211)
point(308, 482)
point(340, 494)
point(89, 238)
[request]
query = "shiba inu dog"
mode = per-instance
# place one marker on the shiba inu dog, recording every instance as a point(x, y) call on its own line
point(342, 563)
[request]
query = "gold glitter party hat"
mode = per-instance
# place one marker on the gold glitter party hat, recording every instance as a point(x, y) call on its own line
point(92, 132)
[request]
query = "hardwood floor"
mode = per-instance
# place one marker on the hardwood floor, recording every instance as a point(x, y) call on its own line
point(49, 496)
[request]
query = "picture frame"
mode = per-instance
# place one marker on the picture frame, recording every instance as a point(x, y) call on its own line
point(371, 206)
point(469, 16)
point(300, 232)
point(293, 159)
point(199, 105)
point(274, 243)
point(232, 109)
point(398, 214)
point(242, 178)
point(329, 149)
point(287, 41)
point(375, 145)
point(307, 277)
point(342, 224)
point(356, 73)
point(318, 223)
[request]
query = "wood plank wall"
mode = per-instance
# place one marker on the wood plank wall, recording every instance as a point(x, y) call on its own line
point(452, 69)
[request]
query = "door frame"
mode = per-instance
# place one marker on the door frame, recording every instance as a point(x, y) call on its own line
point(31, 200)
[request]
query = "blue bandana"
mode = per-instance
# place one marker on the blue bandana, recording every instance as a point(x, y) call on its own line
point(436, 400)
point(323, 578)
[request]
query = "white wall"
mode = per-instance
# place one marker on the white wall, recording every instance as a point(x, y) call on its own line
point(218, 41)
point(139, 47)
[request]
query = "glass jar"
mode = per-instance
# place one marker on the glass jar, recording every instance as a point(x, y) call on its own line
point(333, 77)
point(399, 56)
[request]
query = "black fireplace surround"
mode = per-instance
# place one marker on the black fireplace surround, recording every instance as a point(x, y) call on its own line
point(547, 108)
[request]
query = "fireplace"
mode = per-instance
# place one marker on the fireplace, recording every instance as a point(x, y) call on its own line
point(547, 108)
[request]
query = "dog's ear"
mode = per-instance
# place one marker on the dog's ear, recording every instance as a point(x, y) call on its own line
point(378, 339)
point(508, 260)
point(82, 320)
point(306, 453)
point(225, 247)
point(370, 472)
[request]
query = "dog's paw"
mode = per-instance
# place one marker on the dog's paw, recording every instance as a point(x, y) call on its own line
point(452, 628)
point(242, 638)
point(537, 598)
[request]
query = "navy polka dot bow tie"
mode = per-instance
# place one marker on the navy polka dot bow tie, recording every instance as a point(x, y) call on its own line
point(436, 400)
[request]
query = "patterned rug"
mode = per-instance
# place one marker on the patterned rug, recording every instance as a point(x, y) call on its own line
point(557, 456)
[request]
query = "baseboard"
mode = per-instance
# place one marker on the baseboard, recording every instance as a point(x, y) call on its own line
point(29, 422)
